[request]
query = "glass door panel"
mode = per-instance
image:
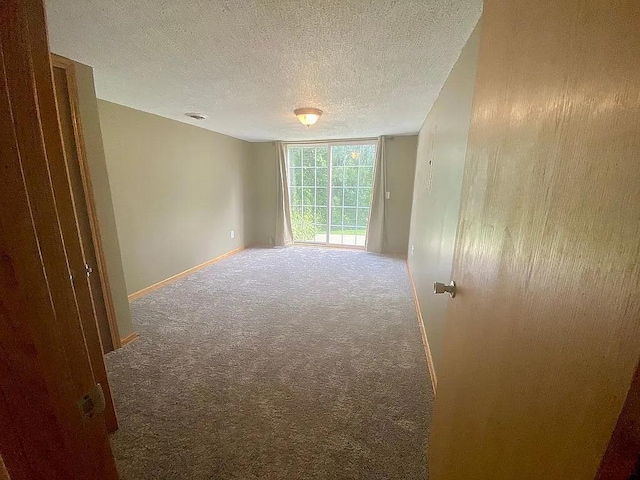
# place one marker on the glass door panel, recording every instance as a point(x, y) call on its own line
point(330, 189)
point(351, 186)
point(308, 185)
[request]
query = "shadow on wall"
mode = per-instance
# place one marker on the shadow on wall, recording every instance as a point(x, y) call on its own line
point(442, 146)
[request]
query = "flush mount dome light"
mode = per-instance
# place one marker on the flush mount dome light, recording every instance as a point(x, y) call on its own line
point(197, 116)
point(307, 116)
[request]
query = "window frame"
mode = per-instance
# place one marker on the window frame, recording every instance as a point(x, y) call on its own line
point(329, 189)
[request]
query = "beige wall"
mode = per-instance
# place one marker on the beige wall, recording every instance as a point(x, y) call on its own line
point(90, 120)
point(261, 208)
point(401, 157)
point(434, 218)
point(400, 153)
point(178, 191)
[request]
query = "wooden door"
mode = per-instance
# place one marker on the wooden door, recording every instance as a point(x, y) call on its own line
point(82, 192)
point(71, 185)
point(543, 337)
point(44, 363)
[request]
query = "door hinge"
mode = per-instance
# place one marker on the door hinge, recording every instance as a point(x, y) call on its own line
point(92, 403)
point(88, 269)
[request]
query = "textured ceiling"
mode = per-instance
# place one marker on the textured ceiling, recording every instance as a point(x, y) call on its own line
point(374, 66)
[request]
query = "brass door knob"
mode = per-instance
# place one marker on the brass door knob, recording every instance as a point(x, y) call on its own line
point(442, 288)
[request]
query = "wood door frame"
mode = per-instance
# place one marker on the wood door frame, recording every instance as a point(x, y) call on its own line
point(44, 363)
point(59, 108)
point(70, 72)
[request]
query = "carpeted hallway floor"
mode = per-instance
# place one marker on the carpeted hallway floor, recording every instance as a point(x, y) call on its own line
point(293, 363)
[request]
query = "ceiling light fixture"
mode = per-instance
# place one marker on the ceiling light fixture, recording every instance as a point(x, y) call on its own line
point(307, 116)
point(197, 116)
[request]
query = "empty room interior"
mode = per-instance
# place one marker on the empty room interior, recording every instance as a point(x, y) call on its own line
point(386, 239)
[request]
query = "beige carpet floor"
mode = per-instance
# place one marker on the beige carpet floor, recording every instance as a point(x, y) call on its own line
point(292, 363)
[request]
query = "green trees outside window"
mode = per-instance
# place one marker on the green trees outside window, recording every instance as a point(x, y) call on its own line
point(330, 192)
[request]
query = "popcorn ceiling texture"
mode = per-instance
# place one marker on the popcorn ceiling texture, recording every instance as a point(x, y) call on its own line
point(374, 66)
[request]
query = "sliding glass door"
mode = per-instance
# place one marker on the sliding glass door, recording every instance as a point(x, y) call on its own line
point(308, 192)
point(351, 185)
point(330, 187)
